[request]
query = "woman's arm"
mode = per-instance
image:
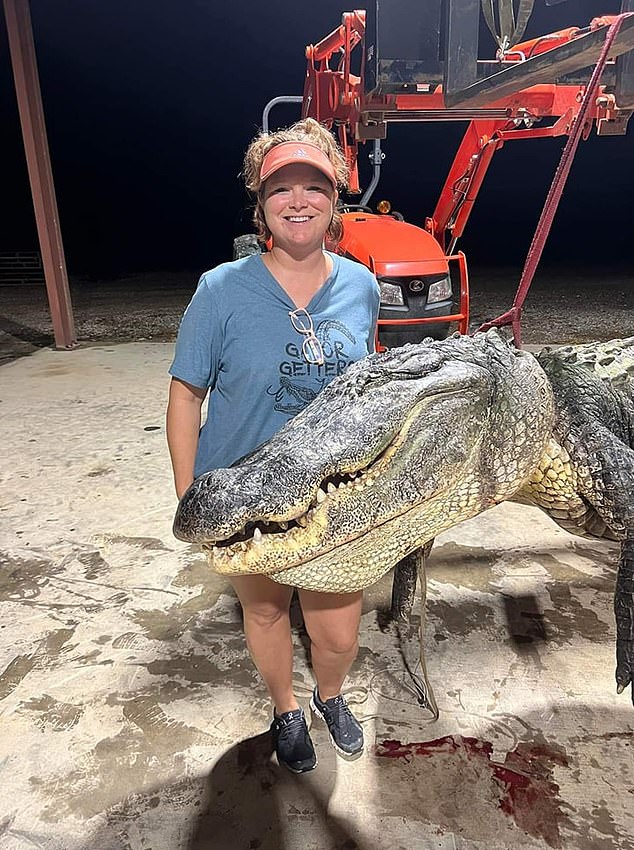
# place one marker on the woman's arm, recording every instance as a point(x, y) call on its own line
point(183, 425)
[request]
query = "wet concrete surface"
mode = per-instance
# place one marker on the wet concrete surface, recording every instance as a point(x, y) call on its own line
point(133, 719)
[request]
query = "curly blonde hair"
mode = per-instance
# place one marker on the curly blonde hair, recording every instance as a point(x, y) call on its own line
point(306, 130)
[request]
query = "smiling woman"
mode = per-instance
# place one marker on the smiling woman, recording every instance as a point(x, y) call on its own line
point(298, 202)
point(262, 336)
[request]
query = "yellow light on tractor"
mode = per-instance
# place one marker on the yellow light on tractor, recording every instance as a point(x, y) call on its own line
point(384, 207)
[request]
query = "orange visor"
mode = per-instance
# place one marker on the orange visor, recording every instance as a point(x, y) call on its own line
point(288, 152)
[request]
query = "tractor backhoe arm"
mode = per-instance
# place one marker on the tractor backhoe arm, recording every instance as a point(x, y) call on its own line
point(484, 137)
point(464, 180)
point(332, 95)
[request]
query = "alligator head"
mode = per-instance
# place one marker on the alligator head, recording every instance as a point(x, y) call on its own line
point(402, 446)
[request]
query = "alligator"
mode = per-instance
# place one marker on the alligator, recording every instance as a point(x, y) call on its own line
point(408, 443)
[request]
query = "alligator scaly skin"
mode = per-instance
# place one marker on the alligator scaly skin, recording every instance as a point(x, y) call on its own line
point(460, 409)
point(593, 386)
point(434, 433)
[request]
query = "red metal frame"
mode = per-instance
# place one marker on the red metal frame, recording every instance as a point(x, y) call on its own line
point(336, 98)
point(513, 316)
point(462, 316)
point(332, 95)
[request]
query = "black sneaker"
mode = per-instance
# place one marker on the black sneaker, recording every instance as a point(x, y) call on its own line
point(291, 741)
point(345, 730)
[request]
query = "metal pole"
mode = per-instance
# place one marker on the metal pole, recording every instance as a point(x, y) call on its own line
point(27, 87)
point(376, 158)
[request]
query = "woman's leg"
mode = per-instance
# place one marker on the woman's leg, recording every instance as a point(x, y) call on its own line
point(265, 606)
point(332, 622)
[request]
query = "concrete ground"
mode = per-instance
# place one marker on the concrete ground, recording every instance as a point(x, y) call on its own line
point(132, 717)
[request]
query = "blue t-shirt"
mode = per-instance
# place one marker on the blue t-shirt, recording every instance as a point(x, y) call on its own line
point(236, 337)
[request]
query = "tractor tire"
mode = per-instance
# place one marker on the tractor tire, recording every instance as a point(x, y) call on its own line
point(245, 246)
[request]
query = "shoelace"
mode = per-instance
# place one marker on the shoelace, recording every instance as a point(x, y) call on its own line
point(286, 724)
point(344, 716)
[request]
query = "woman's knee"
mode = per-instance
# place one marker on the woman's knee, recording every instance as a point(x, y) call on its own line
point(337, 643)
point(264, 616)
point(264, 602)
point(332, 620)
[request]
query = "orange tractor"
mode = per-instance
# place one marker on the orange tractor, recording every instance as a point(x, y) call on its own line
point(417, 61)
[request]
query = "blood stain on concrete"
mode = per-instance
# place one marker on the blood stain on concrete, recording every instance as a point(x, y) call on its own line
point(524, 786)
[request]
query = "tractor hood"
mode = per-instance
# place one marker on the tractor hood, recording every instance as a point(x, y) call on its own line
point(391, 248)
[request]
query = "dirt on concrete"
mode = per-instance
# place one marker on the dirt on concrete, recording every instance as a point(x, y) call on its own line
point(132, 716)
point(563, 305)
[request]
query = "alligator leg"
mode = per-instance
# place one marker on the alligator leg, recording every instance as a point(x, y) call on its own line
point(624, 611)
point(404, 581)
point(610, 462)
point(403, 590)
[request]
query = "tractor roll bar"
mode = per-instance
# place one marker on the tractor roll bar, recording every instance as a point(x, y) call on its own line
point(283, 98)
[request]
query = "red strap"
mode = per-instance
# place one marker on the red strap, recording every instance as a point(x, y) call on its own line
point(513, 316)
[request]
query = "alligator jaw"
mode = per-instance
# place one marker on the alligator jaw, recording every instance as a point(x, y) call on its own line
point(271, 545)
point(254, 533)
point(410, 423)
point(233, 554)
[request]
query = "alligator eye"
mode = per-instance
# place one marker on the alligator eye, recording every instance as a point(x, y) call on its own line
point(375, 377)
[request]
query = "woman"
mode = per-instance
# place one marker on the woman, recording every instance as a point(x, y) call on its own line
point(263, 335)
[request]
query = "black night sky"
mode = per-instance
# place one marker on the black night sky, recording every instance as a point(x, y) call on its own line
point(149, 105)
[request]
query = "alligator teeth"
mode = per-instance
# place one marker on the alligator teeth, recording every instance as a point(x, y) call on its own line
point(343, 484)
point(302, 520)
point(320, 496)
point(331, 487)
point(243, 546)
point(257, 536)
point(320, 519)
point(283, 525)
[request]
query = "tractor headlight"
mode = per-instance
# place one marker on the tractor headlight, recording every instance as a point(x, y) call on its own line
point(439, 291)
point(391, 294)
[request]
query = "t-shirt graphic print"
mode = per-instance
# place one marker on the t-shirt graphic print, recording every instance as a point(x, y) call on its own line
point(301, 381)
